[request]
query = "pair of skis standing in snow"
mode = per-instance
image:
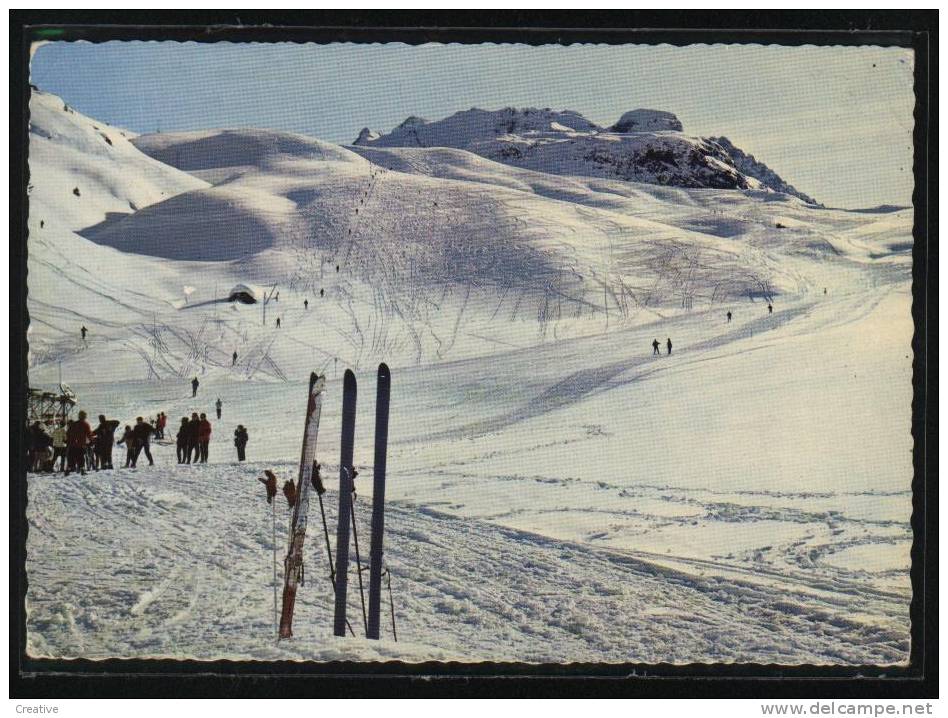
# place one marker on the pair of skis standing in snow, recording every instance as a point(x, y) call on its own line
point(310, 480)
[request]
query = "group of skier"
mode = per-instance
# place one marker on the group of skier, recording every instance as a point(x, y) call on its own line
point(656, 344)
point(76, 446)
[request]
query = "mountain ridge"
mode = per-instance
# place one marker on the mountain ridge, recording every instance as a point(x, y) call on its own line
point(644, 145)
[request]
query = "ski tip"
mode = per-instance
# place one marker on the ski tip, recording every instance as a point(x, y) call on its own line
point(312, 378)
point(384, 370)
point(349, 377)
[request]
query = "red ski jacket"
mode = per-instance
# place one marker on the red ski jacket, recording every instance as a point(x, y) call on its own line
point(78, 434)
point(204, 431)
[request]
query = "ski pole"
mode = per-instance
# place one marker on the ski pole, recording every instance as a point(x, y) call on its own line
point(391, 604)
point(355, 540)
point(332, 570)
point(274, 544)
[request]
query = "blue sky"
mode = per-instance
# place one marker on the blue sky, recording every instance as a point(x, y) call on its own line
point(836, 122)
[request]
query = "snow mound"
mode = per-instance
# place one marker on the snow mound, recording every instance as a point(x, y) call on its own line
point(80, 168)
point(240, 149)
point(647, 121)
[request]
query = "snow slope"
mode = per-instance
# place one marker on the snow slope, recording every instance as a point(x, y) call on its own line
point(746, 498)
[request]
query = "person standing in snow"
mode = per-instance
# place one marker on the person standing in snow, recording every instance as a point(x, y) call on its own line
point(104, 438)
point(59, 444)
point(305, 304)
point(142, 433)
point(40, 441)
point(128, 441)
point(233, 359)
point(83, 331)
point(278, 322)
point(655, 347)
point(77, 438)
point(194, 450)
point(218, 404)
point(669, 346)
point(770, 308)
point(204, 437)
point(194, 386)
point(182, 439)
point(240, 441)
point(729, 317)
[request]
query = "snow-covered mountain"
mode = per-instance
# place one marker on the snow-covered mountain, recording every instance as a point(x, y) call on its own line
point(758, 170)
point(556, 491)
point(643, 146)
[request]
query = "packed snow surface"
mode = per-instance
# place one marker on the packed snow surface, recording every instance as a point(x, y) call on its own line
point(555, 491)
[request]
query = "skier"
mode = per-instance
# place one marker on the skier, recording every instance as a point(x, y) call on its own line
point(278, 322)
point(104, 438)
point(128, 441)
point(204, 437)
point(669, 346)
point(218, 404)
point(194, 386)
point(305, 304)
point(278, 296)
point(240, 441)
point(655, 347)
point(770, 308)
point(162, 423)
point(322, 292)
point(83, 330)
point(233, 359)
point(77, 437)
point(729, 317)
point(59, 444)
point(182, 439)
point(142, 433)
point(40, 441)
point(824, 290)
point(194, 451)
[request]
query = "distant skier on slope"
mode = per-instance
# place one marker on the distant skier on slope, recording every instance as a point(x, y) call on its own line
point(240, 441)
point(59, 444)
point(669, 346)
point(278, 322)
point(128, 441)
point(305, 304)
point(218, 404)
point(104, 438)
point(182, 439)
point(83, 331)
point(194, 386)
point(770, 308)
point(655, 347)
point(194, 450)
point(204, 437)
point(142, 433)
point(729, 317)
point(233, 359)
point(77, 437)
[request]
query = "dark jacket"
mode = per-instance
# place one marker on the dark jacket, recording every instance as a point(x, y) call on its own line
point(184, 433)
point(105, 433)
point(142, 431)
point(240, 437)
